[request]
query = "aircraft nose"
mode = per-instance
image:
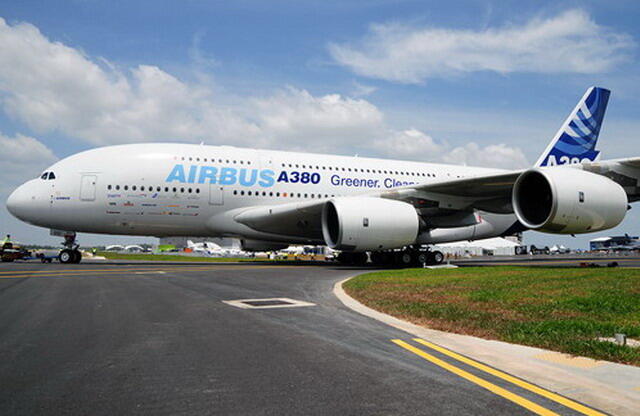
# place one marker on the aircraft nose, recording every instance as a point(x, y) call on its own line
point(20, 201)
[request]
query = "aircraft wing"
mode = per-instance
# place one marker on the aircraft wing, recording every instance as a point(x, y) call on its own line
point(625, 172)
point(443, 203)
point(491, 193)
point(304, 219)
point(298, 219)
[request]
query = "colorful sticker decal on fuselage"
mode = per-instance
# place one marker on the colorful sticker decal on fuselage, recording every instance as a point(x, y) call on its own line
point(267, 178)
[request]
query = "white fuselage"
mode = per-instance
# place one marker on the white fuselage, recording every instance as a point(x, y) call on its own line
point(164, 189)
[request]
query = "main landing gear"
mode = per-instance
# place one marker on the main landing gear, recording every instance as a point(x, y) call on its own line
point(70, 253)
point(408, 257)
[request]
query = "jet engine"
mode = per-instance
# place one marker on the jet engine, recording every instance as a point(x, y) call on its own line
point(568, 201)
point(361, 224)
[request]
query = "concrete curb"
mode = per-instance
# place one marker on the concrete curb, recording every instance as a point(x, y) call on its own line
point(610, 387)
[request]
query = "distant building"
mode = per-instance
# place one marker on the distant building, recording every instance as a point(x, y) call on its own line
point(606, 243)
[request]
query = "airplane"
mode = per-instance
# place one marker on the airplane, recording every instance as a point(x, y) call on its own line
point(378, 210)
point(207, 247)
point(559, 249)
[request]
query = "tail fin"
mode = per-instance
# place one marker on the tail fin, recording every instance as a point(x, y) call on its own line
point(576, 140)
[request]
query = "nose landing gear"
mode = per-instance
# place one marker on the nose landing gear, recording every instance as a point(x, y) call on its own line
point(70, 253)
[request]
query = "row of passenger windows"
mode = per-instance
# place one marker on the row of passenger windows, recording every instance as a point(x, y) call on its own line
point(143, 188)
point(317, 167)
point(281, 194)
point(362, 170)
point(213, 160)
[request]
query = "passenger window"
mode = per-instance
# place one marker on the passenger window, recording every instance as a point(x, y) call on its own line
point(126, 187)
point(51, 175)
point(109, 187)
point(44, 175)
point(133, 188)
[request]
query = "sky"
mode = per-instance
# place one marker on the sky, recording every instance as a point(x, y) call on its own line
point(483, 83)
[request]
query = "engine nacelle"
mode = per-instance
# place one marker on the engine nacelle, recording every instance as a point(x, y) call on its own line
point(361, 224)
point(260, 245)
point(568, 201)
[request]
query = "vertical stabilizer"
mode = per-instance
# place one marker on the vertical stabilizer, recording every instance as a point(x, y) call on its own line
point(576, 140)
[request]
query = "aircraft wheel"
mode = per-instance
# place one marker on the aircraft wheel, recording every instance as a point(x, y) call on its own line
point(6, 259)
point(377, 258)
point(66, 256)
point(77, 256)
point(423, 258)
point(345, 258)
point(360, 259)
point(438, 257)
point(405, 259)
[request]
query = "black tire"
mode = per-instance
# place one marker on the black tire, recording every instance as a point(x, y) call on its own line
point(405, 259)
point(66, 256)
point(376, 258)
point(77, 256)
point(345, 258)
point(423, 258)
point(438, 257)
point(360, 259)
point(6, 259)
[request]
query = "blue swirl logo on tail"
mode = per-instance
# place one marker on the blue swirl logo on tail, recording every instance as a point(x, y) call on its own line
point(576, 141)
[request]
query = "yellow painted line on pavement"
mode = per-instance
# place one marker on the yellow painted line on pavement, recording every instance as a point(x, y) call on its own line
point(514, 380)
point(519, 400)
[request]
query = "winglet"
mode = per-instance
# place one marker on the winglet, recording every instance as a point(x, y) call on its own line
point(576, 140)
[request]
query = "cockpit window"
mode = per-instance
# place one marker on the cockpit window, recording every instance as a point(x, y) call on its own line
point(44, 175)
point(51, 175)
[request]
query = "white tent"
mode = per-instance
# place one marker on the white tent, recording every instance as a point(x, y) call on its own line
point(491, 246)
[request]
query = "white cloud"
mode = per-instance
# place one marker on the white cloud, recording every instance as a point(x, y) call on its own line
point(571, 42)
point(493, 156)
point(362, 90)
point(409, 144)
point(21, 156)
point(298, 120)
point(52, 87)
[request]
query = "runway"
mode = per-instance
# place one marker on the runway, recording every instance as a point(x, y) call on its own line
point(158, 338)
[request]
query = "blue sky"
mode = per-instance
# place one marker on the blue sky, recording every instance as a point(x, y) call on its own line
point(476, 82)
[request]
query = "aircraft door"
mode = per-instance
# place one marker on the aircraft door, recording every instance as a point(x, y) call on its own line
point(88, 187)
point(216, 194)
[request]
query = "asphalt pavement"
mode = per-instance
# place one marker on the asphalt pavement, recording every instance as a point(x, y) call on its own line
point(131, 338)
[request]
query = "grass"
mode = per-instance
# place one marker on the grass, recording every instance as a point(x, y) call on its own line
point(174, 257)
point(561, 309)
